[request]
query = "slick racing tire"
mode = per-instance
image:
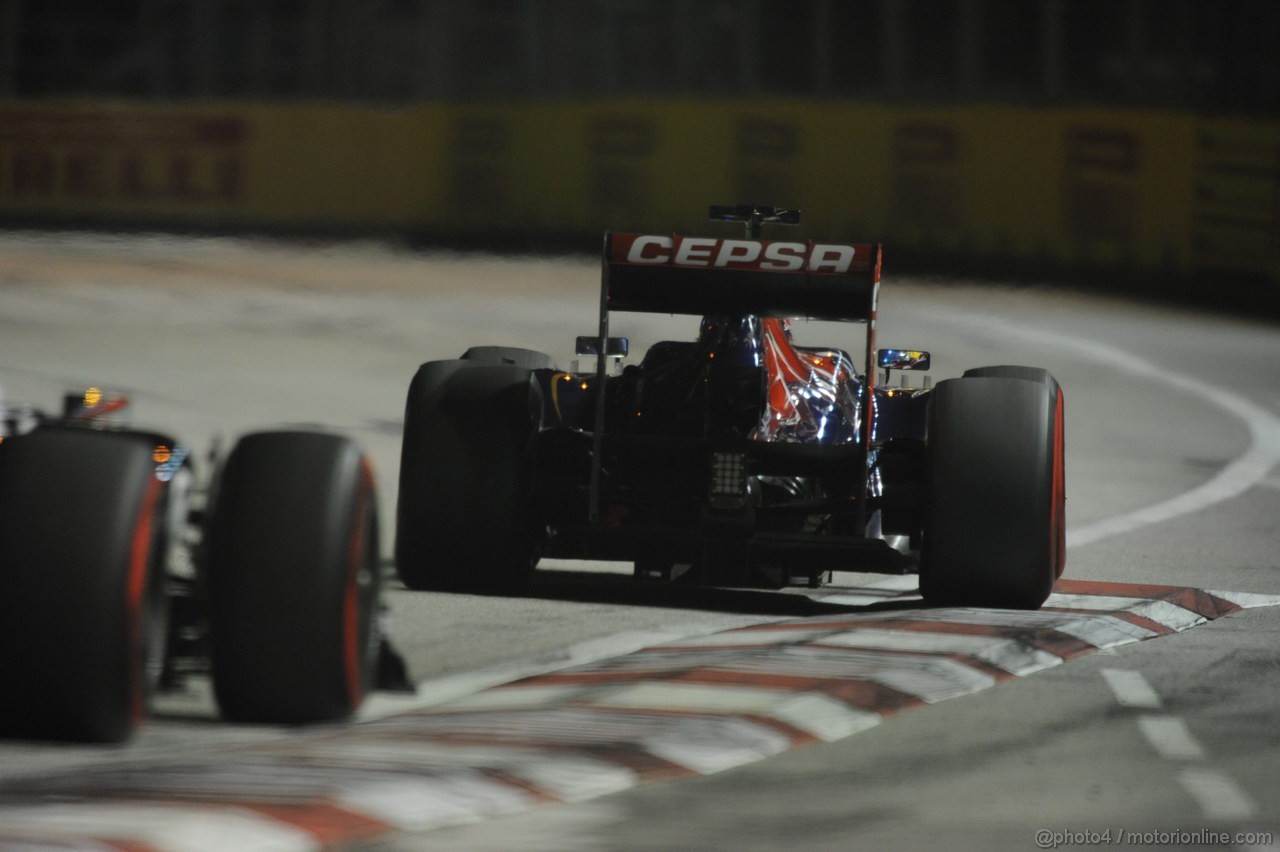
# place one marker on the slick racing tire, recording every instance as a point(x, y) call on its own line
point(83, 600)
point(1037, 374)
point(993, 523)
point(1012, 371)
point(528, 359)
point(293, 579)
point(464, 520)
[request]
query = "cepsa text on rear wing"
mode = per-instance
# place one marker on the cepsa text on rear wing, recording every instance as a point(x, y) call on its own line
point(708, 275)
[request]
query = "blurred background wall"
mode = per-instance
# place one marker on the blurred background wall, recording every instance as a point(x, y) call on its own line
point(1127, 136)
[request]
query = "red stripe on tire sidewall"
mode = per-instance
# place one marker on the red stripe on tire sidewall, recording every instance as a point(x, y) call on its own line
point(352, 647)
point(135, 588)
point(1059, 487)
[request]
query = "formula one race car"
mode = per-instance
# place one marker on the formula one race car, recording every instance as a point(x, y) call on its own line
point(120, 574)
point(738, 458)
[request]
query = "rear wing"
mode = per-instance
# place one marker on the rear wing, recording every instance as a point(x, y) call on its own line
point(708, 275)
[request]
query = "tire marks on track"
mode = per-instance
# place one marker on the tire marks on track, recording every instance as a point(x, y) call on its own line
point(682, 708)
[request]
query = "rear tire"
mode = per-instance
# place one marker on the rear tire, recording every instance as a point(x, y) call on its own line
point(993, 527)
point(1038, 374)
point(83, 602)
point(512, 356)
point(293, 579)
point(464, 520)
point(1013, 371)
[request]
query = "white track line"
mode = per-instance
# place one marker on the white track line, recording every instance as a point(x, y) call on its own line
point(1236, 477)
point(1171, 738)
point(1216, 793)
point(1244, 472)
point(1131, 689)
point(1218, 796)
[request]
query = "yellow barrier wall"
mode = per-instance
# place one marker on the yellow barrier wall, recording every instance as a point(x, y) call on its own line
point(1144, 190)
point(221, 164)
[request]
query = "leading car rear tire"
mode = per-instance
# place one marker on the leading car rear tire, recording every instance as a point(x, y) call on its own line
point(464, 520)
point(527, 359)
point(993, 526)
point(82, 594)
point(1044, 377)
point(293, 579)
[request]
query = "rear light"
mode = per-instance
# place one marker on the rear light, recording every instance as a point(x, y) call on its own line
point(728, 480)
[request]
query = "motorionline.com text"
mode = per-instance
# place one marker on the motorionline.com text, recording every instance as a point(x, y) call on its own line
point(1050, 839)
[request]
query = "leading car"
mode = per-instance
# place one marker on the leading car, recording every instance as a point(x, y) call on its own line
point(740, 457)
point(122, 572)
